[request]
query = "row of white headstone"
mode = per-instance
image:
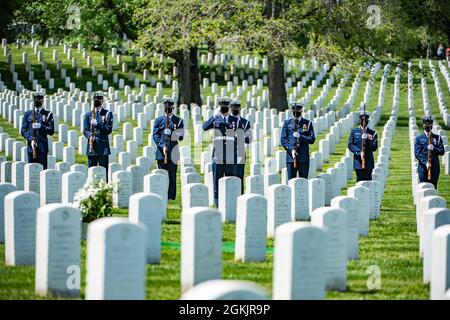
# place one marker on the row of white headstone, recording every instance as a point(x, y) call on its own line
point(193, 237)
point(444, 114)
point(443, 108)
point(60, 153)
point(252, 99)
point(432, 216)
point(301, 278)
point(124, 158)
point(335, 178)
point(253, 234)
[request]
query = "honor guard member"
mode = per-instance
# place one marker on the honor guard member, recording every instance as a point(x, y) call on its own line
point(223, 156)
point(98, 125)
point(243, 137)
point(36, 125)
point(296, 136)
point(363, 142)
point(427, 149)
point(167, 131)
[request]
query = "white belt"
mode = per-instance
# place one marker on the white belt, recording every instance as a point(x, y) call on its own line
point(224, 138)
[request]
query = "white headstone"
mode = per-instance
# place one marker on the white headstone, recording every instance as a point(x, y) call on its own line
point(328, 183)
point(432, 219)
point(225, 290)
point(424, 205)
point(20, 228)
point(229, 191)
point(254, 184)
point(6, 174)
point(79, 168)
point(316, 194)
point(96, 174)
point(58, 250)
point(251, 228)
point(201, 246)
point(278, 207)
point(335, 222)
point(349, 205)
point(299, 198)
point(147, 208)
point(299, 262)
point(5, 188)
point(194, 195)
point(124, 188)
point(158, 184)
point(72, 182)
point(372, 200)
point(362, 194)
point(18, 174)
point(115, 260)
point(32, 177)
point(50, 186)
point(137, 175)
point(63, 167)
point(440, 263)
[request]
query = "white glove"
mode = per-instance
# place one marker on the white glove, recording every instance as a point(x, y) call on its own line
point(362, 154)
point(428, 165)
point(430, 147)
point(364, 136)
point(296, 135)
point(294, 154)
point(167, 131)
point(33, 144)
point(36, 125)
point(165, 149)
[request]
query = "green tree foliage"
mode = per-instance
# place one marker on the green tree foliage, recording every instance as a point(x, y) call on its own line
point(176, 29)
point(344, 32)
point(96, 24)
point(9, 17)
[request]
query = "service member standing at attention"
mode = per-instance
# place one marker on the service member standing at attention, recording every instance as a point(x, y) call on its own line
point(223, 155)
point(363, 142)
point(36, 125)
point(98, 125)
point(296, 136)
point(167, 131)
point(243, 137)
point(427, 149)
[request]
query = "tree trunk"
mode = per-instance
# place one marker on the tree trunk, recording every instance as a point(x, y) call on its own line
point(188, 76)
point(277, 89)
point(195, 77)
point(275, 61)
point(183, 63)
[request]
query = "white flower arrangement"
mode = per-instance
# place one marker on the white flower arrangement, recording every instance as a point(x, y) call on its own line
point(94, 200)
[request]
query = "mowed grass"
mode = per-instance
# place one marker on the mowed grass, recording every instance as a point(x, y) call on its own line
point(392, 244)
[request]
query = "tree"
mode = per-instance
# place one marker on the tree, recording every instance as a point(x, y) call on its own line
point(96, 24)
point(276, 29)
point(176, 29)
point(8, 15)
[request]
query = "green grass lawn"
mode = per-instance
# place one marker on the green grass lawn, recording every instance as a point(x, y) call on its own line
point(392, 243)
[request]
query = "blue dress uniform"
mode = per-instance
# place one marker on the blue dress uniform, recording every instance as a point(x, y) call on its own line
point(223, 156)
point(421, 153)
point(46, 127)
point(243, 137)
point(176, 127)
point(370, 146)
point(300, 144)
point(102, 129)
